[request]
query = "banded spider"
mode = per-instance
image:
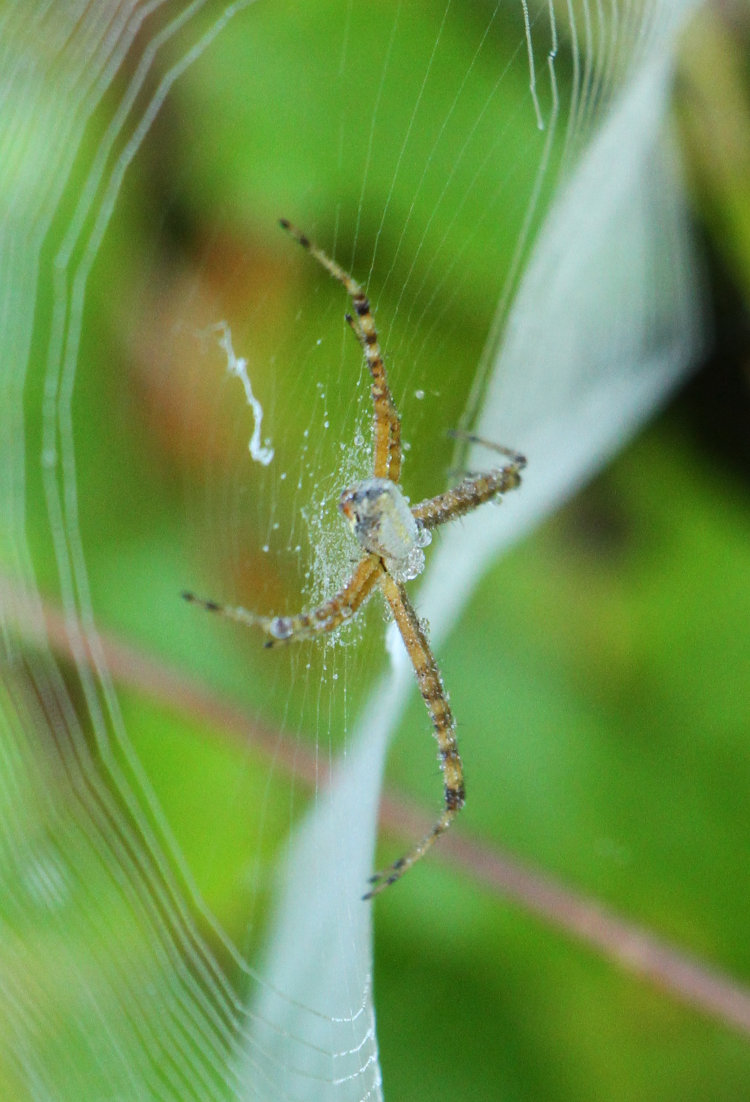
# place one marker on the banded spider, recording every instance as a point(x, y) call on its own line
point(391, 535)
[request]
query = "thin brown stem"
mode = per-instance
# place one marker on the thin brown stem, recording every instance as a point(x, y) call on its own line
point(619, 940)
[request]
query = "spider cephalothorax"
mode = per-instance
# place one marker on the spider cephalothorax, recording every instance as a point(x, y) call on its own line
point(392, 535)
point(384, 525)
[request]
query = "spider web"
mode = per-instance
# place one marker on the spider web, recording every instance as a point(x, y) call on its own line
point(488, 161)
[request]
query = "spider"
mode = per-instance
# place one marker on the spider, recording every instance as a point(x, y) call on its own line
point(391, 535)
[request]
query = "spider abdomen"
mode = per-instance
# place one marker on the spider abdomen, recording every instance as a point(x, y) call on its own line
point(379, 515)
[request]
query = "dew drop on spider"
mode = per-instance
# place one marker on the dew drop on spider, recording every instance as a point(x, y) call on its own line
point(281, 627)
point(424, 536)
point(413, 566)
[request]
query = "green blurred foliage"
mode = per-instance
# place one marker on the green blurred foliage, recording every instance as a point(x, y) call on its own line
point(607, 742)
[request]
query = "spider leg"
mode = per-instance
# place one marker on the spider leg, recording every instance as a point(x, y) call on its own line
point(387, 433)
point(473, 491)
point(393, 460)
point(444, 727)
point(473, 438)
point(305, 625)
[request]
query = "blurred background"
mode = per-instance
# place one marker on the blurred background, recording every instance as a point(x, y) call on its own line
point(599, 673)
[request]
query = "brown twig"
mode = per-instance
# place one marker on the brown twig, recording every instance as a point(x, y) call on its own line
point(631, 946)
point(617, 939)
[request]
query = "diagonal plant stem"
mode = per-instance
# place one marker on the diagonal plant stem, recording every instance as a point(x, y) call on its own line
point(618, 940)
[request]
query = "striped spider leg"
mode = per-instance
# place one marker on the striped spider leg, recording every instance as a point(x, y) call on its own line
point(391, 535)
